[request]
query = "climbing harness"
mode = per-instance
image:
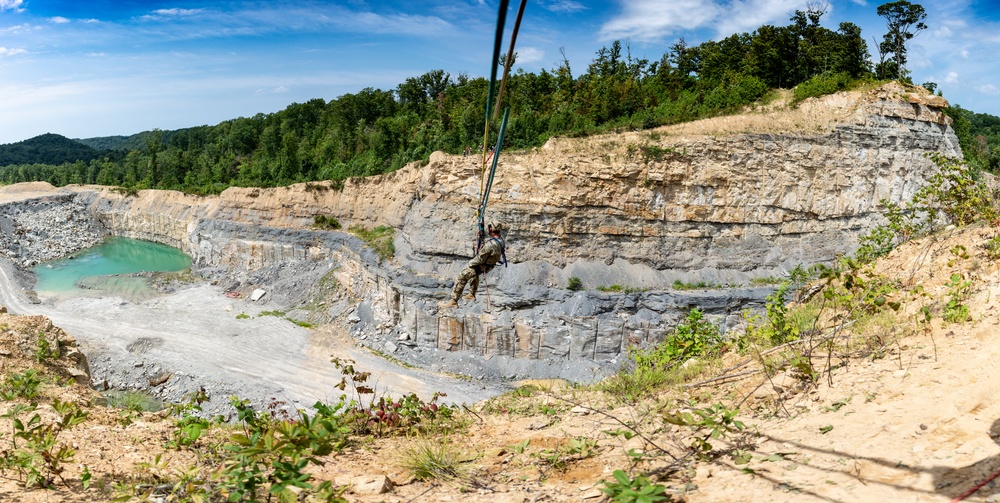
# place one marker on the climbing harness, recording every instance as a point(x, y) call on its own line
point(503, 252)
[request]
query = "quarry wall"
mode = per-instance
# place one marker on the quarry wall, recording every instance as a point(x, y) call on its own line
point(722, 201)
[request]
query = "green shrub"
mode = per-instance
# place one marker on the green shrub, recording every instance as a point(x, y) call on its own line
point(959, 289)
point(620, 289)
point(325, 222)
point(693, 337)
point(822, 84)
point(44, 350)
point(953, 195)
point(694, 285)
point(659, 365)
point(575, 284)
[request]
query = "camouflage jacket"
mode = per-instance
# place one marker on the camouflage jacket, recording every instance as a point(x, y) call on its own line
point(489, 255)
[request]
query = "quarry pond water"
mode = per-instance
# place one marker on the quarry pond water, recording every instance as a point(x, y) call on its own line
point(105, 268)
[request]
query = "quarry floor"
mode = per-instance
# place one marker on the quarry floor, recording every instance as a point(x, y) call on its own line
point(199, 337)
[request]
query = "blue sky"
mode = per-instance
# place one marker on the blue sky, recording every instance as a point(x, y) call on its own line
point(85, 68)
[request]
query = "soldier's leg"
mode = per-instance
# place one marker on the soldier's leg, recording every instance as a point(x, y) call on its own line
point(460, 281)
point(474, 284)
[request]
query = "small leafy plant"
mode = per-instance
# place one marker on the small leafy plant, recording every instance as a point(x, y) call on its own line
point(24, 385)
point(625, 489)
point(188, 425)
point(959, 288)
point(43, 349)
point(719, 420)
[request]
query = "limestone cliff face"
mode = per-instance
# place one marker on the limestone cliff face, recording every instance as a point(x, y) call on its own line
point(720, 200)
point(756, 192)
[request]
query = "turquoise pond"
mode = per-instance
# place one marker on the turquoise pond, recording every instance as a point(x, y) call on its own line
point(117, 255)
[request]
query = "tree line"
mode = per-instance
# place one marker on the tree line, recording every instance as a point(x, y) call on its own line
point(376, 131)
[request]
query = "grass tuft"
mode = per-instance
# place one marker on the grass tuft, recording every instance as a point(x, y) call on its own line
point(431, 460)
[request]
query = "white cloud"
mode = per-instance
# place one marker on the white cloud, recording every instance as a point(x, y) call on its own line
point(21, 28)
point(168, 13)
point(988, 89)
point(652, 20)
point(397, 24)
point(10, 52)
point(860, 2)
point(964, 53)
point(177, 12)
point(274, 90)
point(564, 6)
point(529, 55)
point(942, 32)
point(59, 20)
point(951, 78)
point(746, 16)
point(10, 4)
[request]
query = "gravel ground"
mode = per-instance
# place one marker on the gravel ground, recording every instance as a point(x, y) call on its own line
point(197, 337)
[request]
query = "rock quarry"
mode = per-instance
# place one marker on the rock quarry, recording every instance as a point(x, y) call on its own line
point(722, 201)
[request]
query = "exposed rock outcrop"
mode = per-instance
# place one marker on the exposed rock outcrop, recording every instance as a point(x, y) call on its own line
point(35, 338)
point(721, 200)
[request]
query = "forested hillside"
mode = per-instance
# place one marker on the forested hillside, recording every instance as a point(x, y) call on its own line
point(979, 135)
point(376, 131)
point(48, 149)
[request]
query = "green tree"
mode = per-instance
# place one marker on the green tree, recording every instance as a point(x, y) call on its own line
point(903, 21)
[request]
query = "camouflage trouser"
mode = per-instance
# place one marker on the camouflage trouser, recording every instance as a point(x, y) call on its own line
point(470, 276)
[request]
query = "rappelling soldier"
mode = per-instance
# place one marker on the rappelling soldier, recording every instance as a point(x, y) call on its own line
point(493, 252)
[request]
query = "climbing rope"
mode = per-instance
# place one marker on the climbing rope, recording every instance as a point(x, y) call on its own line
point(492, 156)
point(978, 486)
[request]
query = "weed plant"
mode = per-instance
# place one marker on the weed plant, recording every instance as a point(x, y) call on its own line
point(135, 401)
point(434, 460)
point(379, 238)
point(21, 385)
point(694, 285)
point(35, 453)
point(626, 489)
point(660, 365)
point(953, 195)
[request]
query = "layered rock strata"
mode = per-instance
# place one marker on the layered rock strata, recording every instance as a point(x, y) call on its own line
point(721, 201)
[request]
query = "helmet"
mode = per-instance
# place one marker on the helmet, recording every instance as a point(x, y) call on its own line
point(497, 227)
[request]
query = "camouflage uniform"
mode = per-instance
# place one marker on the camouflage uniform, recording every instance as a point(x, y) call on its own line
point(482, 263)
